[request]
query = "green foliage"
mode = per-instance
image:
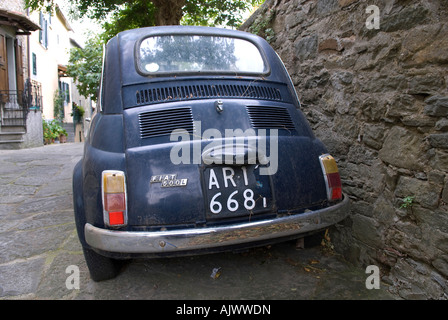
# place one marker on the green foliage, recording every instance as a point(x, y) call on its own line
point(85, 66)
point(44, 5)
point(262, 25)
point(58, 105)
point(77, 113)
point(141, 13)
point(52, 129)
point(133, 15)
point(408, 202)
point(217, 12)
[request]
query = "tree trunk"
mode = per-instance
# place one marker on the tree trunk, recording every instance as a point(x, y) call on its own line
point(168, 12)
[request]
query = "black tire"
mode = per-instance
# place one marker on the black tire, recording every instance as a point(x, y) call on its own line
point(100, 267)
point(314, 239)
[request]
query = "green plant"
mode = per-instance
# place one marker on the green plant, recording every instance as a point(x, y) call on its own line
point(48, 135)
point(52, 129)
point(408, 202)
point(61, 131)
point(58, 105)
point(262, 23)
point(77, 112)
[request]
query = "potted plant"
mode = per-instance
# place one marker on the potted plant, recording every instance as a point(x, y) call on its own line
point(47, 132)
point(53, 130)
point(63, 135)
point(58, 131)
point(77, 113)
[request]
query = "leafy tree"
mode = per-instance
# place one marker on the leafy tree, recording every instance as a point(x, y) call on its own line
point(85, 64)
point(132, 15)
point(160, 12)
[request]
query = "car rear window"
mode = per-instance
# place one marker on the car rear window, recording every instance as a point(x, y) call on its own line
point(174, 54)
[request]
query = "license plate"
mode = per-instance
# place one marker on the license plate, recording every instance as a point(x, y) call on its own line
point(236, 191)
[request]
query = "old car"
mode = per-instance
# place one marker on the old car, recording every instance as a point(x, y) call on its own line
point(198, 145)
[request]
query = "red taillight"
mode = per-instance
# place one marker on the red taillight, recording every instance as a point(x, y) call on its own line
point(114, 202)
point(331, 176)
point(114, 198)
point(116, 218)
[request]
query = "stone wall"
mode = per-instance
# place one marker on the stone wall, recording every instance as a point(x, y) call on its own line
point(34, 130)
point(378, 99)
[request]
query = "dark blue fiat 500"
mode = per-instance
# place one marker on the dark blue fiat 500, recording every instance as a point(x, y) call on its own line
point(198, 145)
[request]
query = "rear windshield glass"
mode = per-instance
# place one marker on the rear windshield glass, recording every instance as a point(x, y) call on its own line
point(173, 54)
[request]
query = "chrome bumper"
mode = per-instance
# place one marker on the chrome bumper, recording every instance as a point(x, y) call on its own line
point(212, 237)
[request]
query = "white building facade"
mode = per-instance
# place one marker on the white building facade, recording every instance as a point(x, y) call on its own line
point(20, 99)
point(50, 52)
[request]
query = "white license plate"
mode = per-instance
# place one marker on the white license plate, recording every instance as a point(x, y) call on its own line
point(236, 191)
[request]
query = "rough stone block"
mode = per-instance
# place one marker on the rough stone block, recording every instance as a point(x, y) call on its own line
point(440, 160)
point(306, 48)
point(373, 136)
point(293, 20)
point(330, 45)
point(441, 264)
point(437, 106)
point(439, 140)
point(345, 3)
point(425, 84)
point(401, 105)
point(442, 125)
point(325, 7)
point(425, 193)
point(406, 19)
point(425, 45)
point(416, 281)
point(418, 121)
point(366, 230)
point(402, 148)
point(445, 193)
point(436, 51)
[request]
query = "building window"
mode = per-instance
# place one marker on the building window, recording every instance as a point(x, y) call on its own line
point(64, 91)
point(34, 64)
point(43, 33)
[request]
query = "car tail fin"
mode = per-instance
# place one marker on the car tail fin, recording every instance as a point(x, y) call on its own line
point(331, 176)
point(114, 198)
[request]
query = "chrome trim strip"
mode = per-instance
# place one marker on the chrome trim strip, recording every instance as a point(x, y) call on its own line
point(202, 238)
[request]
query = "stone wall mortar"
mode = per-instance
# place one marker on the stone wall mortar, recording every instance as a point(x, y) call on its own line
point(378, 99)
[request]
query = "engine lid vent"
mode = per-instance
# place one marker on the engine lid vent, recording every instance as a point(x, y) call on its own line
point(163, 122)
point(207, 91)
point(263, 117)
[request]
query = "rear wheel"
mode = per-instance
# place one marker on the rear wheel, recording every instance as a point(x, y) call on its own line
point(314, 239)
point(100, 267)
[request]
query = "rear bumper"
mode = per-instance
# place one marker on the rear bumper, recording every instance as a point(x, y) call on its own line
point(214, 237)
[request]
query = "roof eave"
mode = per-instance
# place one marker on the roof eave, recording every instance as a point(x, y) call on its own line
point(18, 20)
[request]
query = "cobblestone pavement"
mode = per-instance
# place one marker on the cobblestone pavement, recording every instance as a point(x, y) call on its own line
point(38, 241)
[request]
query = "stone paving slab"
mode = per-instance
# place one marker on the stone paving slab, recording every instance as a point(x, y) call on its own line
point(38, 241)
point(36, 216)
